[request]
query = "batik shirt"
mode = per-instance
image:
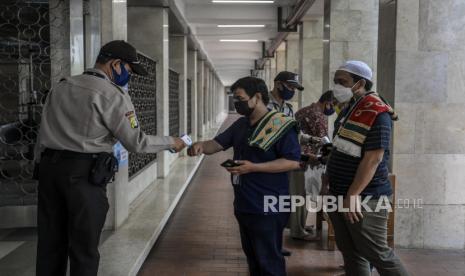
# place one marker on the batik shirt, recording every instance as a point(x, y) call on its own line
point(313, 122)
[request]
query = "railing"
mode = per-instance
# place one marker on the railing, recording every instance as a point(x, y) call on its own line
point(142, 90)
point(189, 106)
point(173, 103)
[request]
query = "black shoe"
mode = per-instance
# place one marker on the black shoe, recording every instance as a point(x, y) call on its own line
point(286, 252)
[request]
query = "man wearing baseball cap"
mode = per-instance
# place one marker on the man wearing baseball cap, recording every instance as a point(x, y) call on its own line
point(83, 117)
point(357, 171)
point(285, 84)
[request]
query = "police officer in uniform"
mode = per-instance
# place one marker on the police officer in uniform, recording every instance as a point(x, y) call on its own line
point(82, 119)
point(285, 84)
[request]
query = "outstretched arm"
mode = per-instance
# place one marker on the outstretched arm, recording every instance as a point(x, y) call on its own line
point(205, 147)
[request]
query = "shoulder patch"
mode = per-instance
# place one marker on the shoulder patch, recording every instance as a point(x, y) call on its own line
point(131, 116)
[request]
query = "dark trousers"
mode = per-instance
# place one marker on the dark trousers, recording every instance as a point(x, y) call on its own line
point(71, 215)
point(261, 238)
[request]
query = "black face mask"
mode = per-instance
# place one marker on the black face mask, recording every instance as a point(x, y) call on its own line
point(242, 107)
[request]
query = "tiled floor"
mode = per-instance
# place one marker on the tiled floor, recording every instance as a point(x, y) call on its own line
point(202, 238)
point(18, 251)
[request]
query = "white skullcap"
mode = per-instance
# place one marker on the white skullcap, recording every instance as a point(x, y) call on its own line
point(358, 68)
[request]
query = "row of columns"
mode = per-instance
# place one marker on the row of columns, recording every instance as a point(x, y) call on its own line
point(146, 26)
point(148, 31)
point(415, 49)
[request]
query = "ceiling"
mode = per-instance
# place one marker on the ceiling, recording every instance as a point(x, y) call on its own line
point(233, 60)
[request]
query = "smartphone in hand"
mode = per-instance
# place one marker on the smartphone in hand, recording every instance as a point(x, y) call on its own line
point(229, 164)
point(304, 158)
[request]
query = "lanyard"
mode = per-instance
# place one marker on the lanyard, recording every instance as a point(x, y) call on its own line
point(95, 74)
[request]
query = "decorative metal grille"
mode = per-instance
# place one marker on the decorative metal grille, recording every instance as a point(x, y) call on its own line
point(142, 90)
point(25, 78)
point(174, 104)
point(189, 106)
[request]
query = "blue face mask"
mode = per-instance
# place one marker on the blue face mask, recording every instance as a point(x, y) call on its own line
point(123, 78)
point(286, 93)
point(329, 111)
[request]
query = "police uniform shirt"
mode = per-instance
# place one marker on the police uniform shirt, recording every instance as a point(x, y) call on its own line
point(285, 108)
point(88, 113)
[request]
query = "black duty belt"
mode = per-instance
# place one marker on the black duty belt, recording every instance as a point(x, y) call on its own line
point(104, 164)
point(69, 154)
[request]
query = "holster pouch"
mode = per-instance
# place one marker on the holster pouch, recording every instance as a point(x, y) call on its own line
point(104, 169)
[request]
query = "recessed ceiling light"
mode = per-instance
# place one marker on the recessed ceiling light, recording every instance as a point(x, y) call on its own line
point(238, 40)
point(241, 26)
point(242, 2)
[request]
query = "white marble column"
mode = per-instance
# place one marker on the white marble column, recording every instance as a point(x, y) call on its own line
point(106, 21)
point(215, 98)
point(192, 75)
point(220, 103)
point(281, 58)
point(422, 71)
point(293, 62)
point(267, 73)
point(114, 20)
point(259, 74)
point(353, 34)
point(76, 37)
point(273, 70)
point(200, 97)
point(148, 32)
point(178, 62)
point(207, 96)
point(66, 38)
point(292, 53)
point(312, 60)
point(92, 31)
point(211, 98)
